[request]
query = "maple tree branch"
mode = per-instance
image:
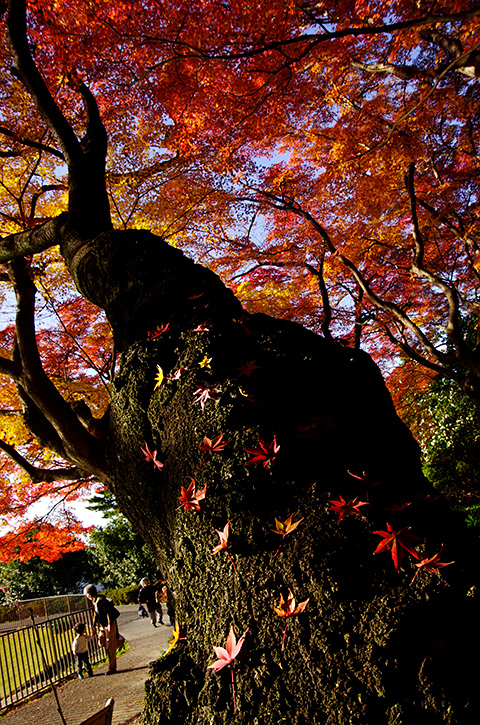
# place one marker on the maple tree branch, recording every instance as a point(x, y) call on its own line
point(453, 326)
point(33, 240)
point(43, 190)
point(80, 447)
point(9, 368)
point(88, 202)
point(41, 475)
point(288, 204)
point(311, 40)
point(28, 73)
point(422, 100)
point(83, 352)
point(327, 309)
point(469, 242)
point(33, 144)
point(414, 355)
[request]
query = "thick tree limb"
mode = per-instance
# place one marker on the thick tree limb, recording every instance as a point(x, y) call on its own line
point(307, 41)
point(10, 369)
point(35, 240)
point(41, 475)
point(421, 359)
point(327, 309)
point(80, 448)
point(399, 71)
point(88, 199)
point(26, 70)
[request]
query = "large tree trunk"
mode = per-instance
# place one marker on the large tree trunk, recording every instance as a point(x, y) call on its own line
point(371, 646)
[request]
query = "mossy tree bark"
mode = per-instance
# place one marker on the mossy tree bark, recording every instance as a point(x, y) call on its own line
point(371, 645)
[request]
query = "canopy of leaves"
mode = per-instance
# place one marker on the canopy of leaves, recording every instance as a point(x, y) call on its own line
point(321, 157)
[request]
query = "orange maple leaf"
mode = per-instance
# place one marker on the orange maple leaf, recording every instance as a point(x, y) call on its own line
point(284, 528)
point(288, 607)
point(190, 498)
point(432, 564)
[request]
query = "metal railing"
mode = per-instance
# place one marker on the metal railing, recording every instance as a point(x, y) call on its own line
point(18, 615)
point(23, 669)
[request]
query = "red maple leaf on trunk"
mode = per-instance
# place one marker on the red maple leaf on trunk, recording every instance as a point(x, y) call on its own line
point(343, 508)
point(432, 564)
point(398, 542)
point(214, 445)
point(265, 454)
point(190, 498)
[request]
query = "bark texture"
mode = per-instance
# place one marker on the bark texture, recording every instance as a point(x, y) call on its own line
point(371, 647)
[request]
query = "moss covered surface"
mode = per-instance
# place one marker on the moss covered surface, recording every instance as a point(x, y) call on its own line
point(371, 647)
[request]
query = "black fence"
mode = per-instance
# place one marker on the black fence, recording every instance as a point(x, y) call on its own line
point(24, 670)
point(18, 615)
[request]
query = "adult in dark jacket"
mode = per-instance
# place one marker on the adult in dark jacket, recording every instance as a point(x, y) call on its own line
point(106, 615)
point(148, 595)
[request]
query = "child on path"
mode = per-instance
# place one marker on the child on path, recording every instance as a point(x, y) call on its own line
point(80, 650)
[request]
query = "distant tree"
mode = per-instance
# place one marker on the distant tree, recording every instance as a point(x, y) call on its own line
point(39, 578)
point(119, 554)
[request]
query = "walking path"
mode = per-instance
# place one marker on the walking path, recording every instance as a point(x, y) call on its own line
point(81, 698)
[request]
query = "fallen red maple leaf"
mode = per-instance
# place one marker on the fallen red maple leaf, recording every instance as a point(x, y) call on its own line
point(400, 506)
point(344, 509)
point(289, 608)
point(432, 564)
point(177, 374)
point(190, 498)
point(247, 368)
point(202, 327)
point(224, 543)
point(398, 541)
point(159, 330)
point(365, 480)
point(265, 454)
point(203, 394)
point(223, 538)
point(151, 457)
point(226, 655)
point(214, 445)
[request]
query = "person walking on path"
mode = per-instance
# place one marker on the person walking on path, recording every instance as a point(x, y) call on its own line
point(80, 649)
point(148, 595)
point(106, 616)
